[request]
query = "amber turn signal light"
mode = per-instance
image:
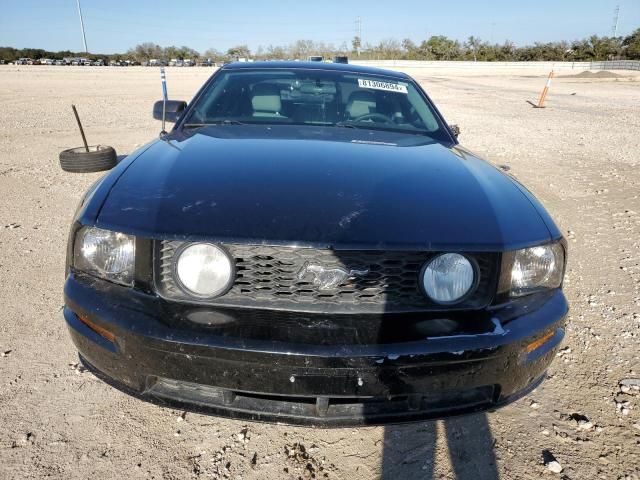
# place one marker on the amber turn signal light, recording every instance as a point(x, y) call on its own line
point(103, 332)
point(540, 341)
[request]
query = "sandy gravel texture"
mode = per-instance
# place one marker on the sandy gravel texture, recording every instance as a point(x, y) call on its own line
point(580, 156)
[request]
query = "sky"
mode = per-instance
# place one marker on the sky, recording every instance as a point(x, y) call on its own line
point(116, 25)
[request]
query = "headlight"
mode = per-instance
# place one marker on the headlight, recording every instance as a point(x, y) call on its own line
point(448, 278)
point(105, 254)
point(203, 270)
point(536, 268)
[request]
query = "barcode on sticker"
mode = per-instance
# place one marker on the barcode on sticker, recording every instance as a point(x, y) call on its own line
point(377, 85)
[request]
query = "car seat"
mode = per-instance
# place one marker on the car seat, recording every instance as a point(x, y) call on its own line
point(360, 103)
point(265, 100)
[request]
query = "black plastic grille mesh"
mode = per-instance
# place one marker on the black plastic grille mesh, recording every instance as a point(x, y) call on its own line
point(268, 277)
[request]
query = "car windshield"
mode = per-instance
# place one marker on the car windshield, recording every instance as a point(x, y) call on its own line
point(299, 96)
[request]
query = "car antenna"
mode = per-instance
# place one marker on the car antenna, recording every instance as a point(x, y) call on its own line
point(163, 78)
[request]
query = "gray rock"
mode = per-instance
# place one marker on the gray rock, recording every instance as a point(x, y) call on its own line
point(554, 466)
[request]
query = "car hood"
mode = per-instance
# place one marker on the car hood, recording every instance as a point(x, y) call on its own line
point(332, 187)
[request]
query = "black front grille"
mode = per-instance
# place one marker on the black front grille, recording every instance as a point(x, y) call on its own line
point(381, 281)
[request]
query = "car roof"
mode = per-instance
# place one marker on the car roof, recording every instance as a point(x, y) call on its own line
point(339, 67)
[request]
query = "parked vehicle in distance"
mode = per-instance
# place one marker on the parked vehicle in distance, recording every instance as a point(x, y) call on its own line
point(46, 61)
point(98, 63)
point(310, 244)
point(79, 61)
point(59, 62)
point(340, 59)
point(23, 61)
point(315, 58)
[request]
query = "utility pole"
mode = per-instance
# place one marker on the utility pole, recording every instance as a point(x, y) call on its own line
point(359, 29)
point(84, 38)
point(616, 15)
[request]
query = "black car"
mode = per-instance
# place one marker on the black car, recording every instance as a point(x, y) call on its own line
point(310, 244)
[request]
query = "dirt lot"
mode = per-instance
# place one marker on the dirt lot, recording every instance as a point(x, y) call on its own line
point(580, 156)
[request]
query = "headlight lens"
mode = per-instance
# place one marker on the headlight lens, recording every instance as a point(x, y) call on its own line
point(537, 268)
point(105, 254)
point(204, 270)
point(447, 278)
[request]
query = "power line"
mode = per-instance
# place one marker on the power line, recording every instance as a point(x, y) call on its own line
point(359, 34)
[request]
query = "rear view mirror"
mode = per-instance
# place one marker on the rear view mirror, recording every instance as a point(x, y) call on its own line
point(455, 129)
point(174, 109)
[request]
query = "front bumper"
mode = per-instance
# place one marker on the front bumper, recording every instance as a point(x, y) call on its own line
point(311, 384)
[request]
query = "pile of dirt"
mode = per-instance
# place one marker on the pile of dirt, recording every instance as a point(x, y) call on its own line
point(590, 74)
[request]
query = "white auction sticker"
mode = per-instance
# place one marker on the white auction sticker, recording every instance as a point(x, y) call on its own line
point(377, 85)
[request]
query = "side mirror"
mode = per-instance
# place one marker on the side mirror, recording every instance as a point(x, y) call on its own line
point(174, 109)
point(455, 129)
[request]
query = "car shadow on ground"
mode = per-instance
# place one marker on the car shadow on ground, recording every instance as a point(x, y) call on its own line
point(409, 451)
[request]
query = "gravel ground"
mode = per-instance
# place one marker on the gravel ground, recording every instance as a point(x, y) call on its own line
point(580, 156)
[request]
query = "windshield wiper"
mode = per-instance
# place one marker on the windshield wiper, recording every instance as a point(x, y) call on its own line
point(380, 127)
point(349, 124)
point(213, 122)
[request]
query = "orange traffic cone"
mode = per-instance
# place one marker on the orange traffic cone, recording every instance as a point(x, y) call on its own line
point(545, 90)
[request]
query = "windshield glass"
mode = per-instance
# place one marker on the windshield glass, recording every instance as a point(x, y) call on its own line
point(315, 97)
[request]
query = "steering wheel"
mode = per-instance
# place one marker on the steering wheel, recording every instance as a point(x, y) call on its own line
point(376, 117)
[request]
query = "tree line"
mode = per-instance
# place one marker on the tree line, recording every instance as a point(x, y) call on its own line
point(437, 47)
